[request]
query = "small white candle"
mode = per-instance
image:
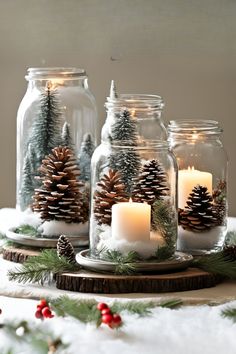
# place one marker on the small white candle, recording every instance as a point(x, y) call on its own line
point(131, 221)
point(190, 178)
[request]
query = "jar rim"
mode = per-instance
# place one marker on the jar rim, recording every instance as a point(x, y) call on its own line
point(136, 100)
point(141, 144)
point(194, 126)
point(45, 73)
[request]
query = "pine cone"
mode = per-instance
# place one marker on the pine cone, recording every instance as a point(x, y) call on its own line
point(110, 190)
point(220, 213)
point(199, 214)
point(151, 184)
point(60, 197)
point(65, 249)
point(229, 251)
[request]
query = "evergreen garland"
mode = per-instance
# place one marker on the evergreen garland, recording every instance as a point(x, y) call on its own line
point(125, 160)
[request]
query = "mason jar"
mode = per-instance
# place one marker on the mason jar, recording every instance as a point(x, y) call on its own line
point(202, 184)
point(58, 109)
point(133, 199)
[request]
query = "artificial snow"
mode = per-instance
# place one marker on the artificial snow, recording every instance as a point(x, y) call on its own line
point(12, 218)
point(57, 228)
point(146, 249)
point(189, 241)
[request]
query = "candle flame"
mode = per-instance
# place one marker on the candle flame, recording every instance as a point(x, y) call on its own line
point(191, 168)
point(132, 113)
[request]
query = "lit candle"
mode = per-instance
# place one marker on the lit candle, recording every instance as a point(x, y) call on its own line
point(131, 221)
point(190, 178)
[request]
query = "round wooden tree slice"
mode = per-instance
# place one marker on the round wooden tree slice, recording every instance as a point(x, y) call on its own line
point(90, 282)
point(18, 255)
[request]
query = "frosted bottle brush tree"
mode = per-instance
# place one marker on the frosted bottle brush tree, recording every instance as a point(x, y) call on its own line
point(125, 160)
point(45, 135)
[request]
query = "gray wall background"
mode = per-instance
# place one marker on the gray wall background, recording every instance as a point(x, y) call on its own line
point(184, 50)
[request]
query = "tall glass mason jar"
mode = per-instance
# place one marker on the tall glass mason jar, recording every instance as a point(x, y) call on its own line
point(58, 109)
point(202, 184)
point(133, 192)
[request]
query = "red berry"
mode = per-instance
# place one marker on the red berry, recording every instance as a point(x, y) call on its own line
point(101, 306)
point(106, 312)
point(117, 319)
point(107, 319)
point(43, 303)
point(46, 312)
point(38, 314)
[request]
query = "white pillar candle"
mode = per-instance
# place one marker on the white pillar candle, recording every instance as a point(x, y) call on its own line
point(190, 178)
point(131, 221)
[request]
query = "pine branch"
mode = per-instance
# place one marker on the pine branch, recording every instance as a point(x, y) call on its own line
point(164, 221)
point(229, 313)
point(217, 263)
point(83, 310)
point(27, 230)
point(39, 269)
point(86, 310)
point(125, 264)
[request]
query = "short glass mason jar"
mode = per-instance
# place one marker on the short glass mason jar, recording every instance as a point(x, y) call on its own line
point(58, 109)
point(133, 200)
point(202, 184)
point(145, 109)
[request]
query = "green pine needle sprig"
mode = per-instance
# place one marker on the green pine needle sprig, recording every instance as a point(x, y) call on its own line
point(229, 313)
point(86, 310)
point(124, 264)
point(217, 263)
point(27, 230)
point(39, 269)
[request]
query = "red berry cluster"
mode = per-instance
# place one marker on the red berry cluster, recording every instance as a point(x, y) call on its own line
point(43, 310)
point(113, 320)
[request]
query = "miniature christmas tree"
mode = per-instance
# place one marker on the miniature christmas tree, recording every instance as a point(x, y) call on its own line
point(151, 184)
point(61, 195)
point(199, 214)
point(65, 249)
point(46, 130)
point(109, 191)
point(28, 180)
point(125, 160)
point(66, 136)
point(85, 154)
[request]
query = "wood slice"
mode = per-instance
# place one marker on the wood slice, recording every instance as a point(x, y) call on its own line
point(18, 255)
point(89, 282)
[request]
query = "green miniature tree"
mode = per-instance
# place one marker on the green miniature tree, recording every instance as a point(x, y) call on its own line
point(85, 154)
point(125, 159)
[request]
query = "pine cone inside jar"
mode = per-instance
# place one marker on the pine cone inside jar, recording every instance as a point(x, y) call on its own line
point(151, 184)
point(109, 191)
point(65, 249)
point(60, 196)
point(199, 214)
